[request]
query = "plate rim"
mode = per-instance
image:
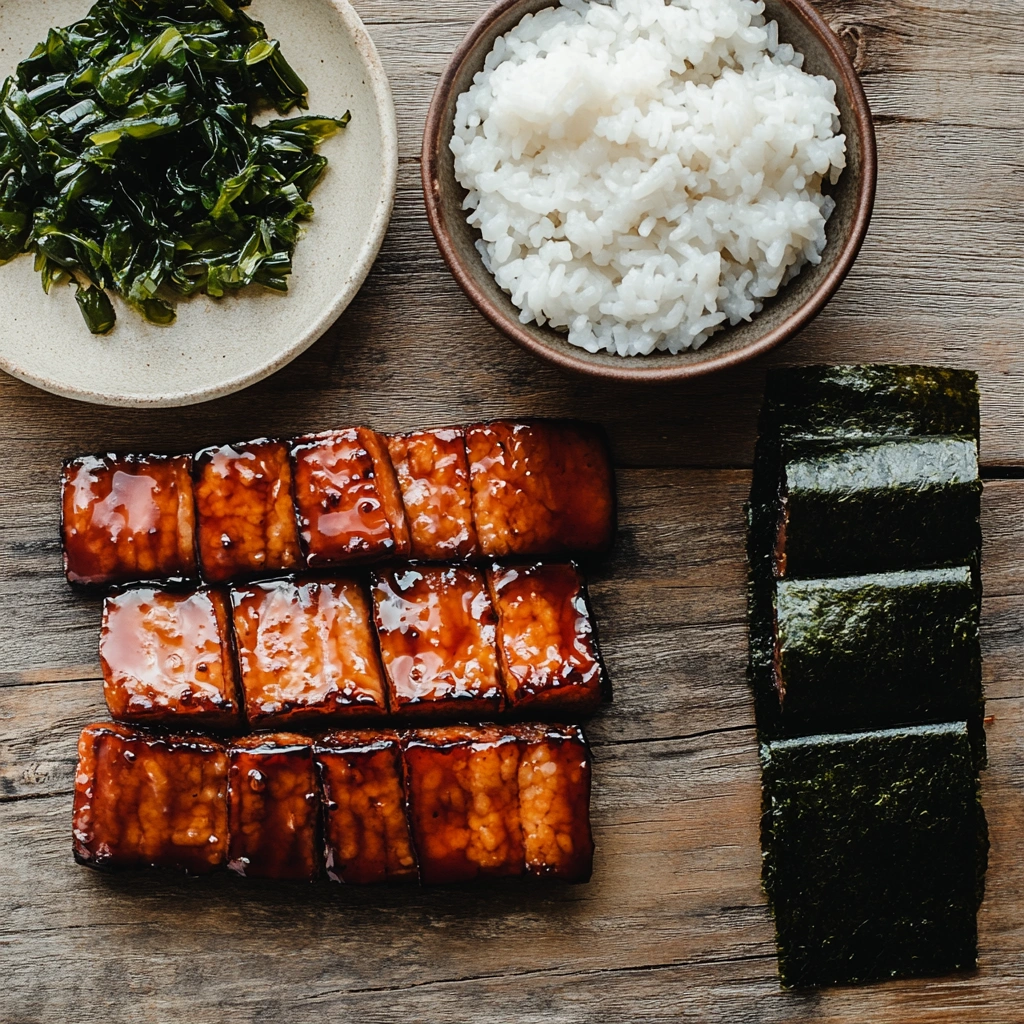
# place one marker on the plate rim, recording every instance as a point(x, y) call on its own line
point(362, 264)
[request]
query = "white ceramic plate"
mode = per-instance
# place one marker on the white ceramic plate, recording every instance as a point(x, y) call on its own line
point(216, 348)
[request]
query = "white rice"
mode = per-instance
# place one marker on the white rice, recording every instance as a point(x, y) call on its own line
point(642, 172)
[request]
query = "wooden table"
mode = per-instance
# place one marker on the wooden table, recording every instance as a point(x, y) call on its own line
point(674, 925)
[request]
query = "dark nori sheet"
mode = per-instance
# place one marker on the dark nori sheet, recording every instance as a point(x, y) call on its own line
point(878, 650)
point(870, 400)
point(903, 503)
point(875, 847)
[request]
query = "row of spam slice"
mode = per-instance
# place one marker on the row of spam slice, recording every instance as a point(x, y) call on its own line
point(864, 552)
point(422, 642)
point(436, 805)
point(328, 500)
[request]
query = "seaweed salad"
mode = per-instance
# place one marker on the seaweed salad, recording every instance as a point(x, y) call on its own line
point(130, 160)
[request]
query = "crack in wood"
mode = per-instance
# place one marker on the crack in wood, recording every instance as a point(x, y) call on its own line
point(547, 972)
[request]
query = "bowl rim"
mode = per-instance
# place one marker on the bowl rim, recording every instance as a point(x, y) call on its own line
point(362, 263)
point(633, 369)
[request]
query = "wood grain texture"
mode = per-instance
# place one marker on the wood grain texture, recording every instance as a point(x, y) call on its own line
point(674, 926)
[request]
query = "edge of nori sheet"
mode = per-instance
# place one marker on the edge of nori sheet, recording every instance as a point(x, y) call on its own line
point(870, 400)
point(842, 919)
point(760, 661)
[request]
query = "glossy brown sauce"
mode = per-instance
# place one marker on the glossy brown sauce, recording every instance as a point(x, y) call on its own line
point(464, 802)
point(273, 805)
point(167, 660)
point(146, 801)
point(244, 503)
point(127, 519)
point(461, 801)
point(433, 473)
point(545, 637)
point(554, 801)
point(366, 833)
point(347, 498)
point(437, 638)
point(544, 487)
point(306, 651)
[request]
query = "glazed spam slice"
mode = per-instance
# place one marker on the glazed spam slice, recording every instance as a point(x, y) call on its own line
point(167, 659)
point(307, 652)
point(265, 507)
point(490, 800)
point(464, 802)
point(150, 801)
point(546, 642)
point(899, 503)
point(436, 628)
point(875, 850)
point(347, 499)
point(291, 652)
point(433, 473)
point(366, 832)
point(246, 522)
point(127, 518)
point(273, 807)
point(554, 802)
point(541, 487)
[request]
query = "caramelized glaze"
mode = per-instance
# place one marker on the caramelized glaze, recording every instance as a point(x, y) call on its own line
point(127, 518)
point(554, 802)
point(307, 652)
point(167, 658)
point(273, 806)
point(459, 802)
point(436, 628)
point(433, 473)
point(539, 488)
point(149, 801)
point(347, 498)
point(549, 659)
point(464, 802)
point(366, 834)
point(244, 504)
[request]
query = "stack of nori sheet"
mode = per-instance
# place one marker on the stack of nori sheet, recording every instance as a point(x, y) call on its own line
point(865, 592)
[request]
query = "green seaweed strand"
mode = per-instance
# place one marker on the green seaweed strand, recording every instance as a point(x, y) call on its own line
point(130, 161)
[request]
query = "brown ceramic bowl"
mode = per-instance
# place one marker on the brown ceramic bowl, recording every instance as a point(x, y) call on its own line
point(792, 309)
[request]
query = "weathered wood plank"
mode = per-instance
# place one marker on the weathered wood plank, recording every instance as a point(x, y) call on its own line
point(675, 901)
point(939, 279)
